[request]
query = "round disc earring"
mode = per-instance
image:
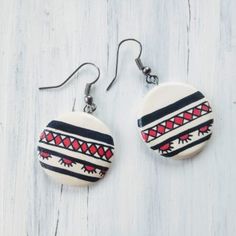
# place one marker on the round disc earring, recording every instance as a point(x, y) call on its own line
point(76, 148)
point(175, 119)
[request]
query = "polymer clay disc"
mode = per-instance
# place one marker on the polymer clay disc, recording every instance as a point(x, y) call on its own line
point(76, 149)
point(175, 120)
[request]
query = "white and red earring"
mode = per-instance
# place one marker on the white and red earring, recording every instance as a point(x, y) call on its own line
point(76, 148)
point(174, 120)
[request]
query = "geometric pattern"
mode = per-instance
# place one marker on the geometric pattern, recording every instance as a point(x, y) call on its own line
point(166, 147)
point(98, 151)
point(176, 121)
point(76, 149)
point(88, 168)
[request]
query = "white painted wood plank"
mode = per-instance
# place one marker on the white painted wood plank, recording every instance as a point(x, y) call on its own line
point(42, 42)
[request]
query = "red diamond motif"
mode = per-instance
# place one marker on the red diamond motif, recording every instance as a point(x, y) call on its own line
point(58, 140)
point(205, 107)
point(92, 149)
point(66, 142)
point(84, 147)
point(169, 124)
point(145, 136)
point(178, 120)
point(75, 145)
point(49, 137)
point(152, 133)
point(108, 154)
point(161, 129)
point(196, 112)
point(101, 151)
point(188, 116)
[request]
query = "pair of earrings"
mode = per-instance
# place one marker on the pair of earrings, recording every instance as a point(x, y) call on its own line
point(174, 120)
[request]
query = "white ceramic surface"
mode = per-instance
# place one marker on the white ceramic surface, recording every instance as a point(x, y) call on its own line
point(175, 120)
point(76, 149)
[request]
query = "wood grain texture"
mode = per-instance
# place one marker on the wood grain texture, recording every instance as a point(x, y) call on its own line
point(184, 40)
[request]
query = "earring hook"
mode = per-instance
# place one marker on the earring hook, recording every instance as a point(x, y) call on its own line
point(90, 106)
point(70, 76)
point(151, 79)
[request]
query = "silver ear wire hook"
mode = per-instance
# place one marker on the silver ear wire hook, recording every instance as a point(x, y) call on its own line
point(151, 79)
point(90, 106)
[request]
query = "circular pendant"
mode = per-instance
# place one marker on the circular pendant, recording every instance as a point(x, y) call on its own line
point(76, 149)
point(175, 120)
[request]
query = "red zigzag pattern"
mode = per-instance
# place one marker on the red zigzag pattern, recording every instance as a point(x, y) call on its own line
point(74, 144)
point(182, 118)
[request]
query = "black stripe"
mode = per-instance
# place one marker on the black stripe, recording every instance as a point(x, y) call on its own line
point(70, 173)
point(81, 131)
point(51, 144)
point(72, 158)
point(209, 122)
point(171, 154)
point(169, 109)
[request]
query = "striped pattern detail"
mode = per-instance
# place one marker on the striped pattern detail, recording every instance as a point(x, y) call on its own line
point(73, 167)
point(62, 126)
point(175, 122)
point(190, 145)
point(185, 135)
point(178, 127)
point(75, 152)
point(169, 109)
point(47, 154)
point(70, 173)
point(68, 142)
point(184, 140)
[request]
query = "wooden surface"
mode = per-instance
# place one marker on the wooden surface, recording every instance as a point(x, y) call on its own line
point(42, 42)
